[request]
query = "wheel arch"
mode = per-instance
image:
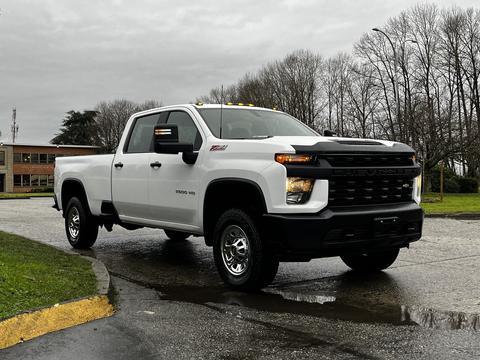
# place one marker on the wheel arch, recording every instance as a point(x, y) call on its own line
point(70, 188)
point(229, 192)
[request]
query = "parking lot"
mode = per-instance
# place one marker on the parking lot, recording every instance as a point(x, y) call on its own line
point(171, 302)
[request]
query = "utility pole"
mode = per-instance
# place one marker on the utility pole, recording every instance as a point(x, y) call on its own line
point(14, 125)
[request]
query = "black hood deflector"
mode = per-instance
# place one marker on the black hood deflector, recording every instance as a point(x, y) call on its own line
point(352, 146)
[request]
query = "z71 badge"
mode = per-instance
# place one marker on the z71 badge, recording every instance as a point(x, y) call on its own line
point(218, 147)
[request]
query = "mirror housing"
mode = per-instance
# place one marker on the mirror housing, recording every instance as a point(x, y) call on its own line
point(166, 140)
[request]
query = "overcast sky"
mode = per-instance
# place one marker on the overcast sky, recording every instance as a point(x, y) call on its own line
point(59, 55)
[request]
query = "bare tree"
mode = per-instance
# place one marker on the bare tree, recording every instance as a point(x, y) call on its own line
point(422, 88)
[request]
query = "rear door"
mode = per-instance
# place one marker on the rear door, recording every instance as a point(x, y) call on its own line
point(131, 170)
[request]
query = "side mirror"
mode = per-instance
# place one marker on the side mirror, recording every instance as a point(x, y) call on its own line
point(329, 133)
point(166, 140)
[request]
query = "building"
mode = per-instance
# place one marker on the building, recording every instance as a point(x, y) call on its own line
point(24, 167)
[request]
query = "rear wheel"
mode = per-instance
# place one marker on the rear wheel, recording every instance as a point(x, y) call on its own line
point(81, 227)
point(243, 260)
point(176, 235)
point(371, 262)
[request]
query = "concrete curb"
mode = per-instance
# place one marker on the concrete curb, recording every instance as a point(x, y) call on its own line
point(35, 323)
point(102, 275)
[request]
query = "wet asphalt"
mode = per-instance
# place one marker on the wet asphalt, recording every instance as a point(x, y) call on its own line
point(172, 304)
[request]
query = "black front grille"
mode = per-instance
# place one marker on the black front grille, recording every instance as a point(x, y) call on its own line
point(369, 160)
point(362, 191)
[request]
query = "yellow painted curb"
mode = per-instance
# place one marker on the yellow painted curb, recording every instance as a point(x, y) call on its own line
point(36, 323)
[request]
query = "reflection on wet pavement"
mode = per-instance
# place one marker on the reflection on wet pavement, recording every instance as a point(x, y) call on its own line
point(447, 320)
point(308, 298)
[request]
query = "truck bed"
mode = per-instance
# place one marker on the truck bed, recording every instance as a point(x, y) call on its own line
point(94, 172)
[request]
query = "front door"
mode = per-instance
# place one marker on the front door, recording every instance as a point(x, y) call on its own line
point(174, 185)
point(131, 170)
point(2, 182)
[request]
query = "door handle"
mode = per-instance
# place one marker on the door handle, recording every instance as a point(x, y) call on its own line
point(118, 165)
point(155, 164)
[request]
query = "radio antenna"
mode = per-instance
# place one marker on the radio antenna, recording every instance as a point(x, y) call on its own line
point(221, 112)
point(14, 125)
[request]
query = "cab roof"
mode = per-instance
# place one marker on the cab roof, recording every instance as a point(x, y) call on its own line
point(200, 105)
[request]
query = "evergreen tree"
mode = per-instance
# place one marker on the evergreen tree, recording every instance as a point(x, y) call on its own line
point(78, 128)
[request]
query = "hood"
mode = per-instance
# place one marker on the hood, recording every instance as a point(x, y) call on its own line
point(312, 140)
point(319, 144)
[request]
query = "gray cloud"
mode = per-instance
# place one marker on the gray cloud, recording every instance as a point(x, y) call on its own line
point(59, 55)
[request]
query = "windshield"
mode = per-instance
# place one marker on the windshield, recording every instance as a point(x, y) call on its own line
point(251, 123)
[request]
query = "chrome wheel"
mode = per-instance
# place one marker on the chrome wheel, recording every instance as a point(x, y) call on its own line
point(235, 249)
point(74, 223)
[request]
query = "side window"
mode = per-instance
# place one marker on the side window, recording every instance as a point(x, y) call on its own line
point(141, 136)
point(187, 130)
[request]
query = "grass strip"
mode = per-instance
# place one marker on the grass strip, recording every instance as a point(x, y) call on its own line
point(451, 204)
point(34, 275)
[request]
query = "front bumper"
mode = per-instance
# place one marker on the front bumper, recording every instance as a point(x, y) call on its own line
point(338, 231)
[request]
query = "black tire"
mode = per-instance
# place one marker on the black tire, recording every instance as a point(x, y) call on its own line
point(176, 235)
point(371, 262)
point(81, 235)
point(261, 266)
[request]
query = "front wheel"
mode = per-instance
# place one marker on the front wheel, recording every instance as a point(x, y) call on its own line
point(80, 226)
point(371, 262)
point(243, 260)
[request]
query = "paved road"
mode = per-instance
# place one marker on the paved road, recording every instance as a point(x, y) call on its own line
point(172, 303)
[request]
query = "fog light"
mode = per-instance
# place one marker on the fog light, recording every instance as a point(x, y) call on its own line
point(298, 190)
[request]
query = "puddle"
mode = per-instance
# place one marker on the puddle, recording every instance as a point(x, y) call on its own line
point(323, 305)
point(318, 306)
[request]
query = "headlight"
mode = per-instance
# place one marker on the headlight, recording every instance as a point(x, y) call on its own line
point(298, 190)
point(418, 195)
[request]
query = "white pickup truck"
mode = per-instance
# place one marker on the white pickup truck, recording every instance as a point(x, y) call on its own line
point(258, 184)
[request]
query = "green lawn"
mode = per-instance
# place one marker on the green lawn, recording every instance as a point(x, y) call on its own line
point(22, 195)
point(34, 275)
point(452, 203)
